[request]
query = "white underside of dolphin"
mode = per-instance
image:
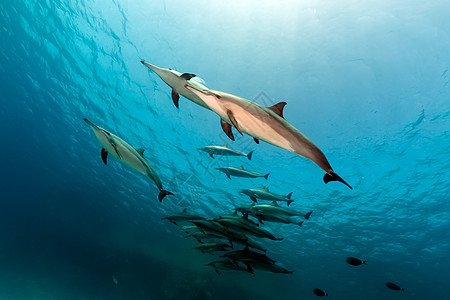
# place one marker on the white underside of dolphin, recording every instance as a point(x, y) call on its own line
point(126, 154)
point(263, 123)
point(177, 82)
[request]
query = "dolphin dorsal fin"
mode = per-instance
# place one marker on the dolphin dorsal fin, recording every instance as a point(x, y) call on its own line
point(225, 145)
point(246, 249)
point(187, 76)
point(278, 108)
point(234, 213)
point(274, 203)
point(184, 210)
point(266, 188)
point(140, 151)
point(241, 167)
point(245, 217)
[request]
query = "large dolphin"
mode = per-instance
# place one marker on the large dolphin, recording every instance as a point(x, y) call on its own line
point(241, 172)
point(224, 150)
point(177, 81)
point(263, 123)
point(126, 154)
point(265, 194)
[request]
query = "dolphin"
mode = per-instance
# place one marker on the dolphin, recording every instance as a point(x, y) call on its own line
point(210, 226)
point(182, 216)
point(239, 255)
point(177, 81)
point(277, 218)
point(224, 150)
point(243, 226)
point(212, 247)
point(264, 266)
point(241, 172)
point(126, 154)
point(274, 209)
point(247, 242)
point(265, 194)
point(188, 228)
point(207, 236)
point(235, 216)
point(226, 265)
point(263, 123)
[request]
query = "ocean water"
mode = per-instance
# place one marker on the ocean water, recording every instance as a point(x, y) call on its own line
point(368, 82)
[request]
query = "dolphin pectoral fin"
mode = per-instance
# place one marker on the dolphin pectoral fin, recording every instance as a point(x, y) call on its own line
point(233, 121)
point(331, 176)
point(227, 129)
point(217, 271)
point(212, 156)
point(254, 199)
point(256, 140)
point(278, 108)
point(162, 194)
point(117, 151)
point(187, 76)
point(175, 98)
point(229, 177)
point(104, 155)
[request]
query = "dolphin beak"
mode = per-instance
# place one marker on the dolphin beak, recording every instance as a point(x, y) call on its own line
point(150, 66)
point(92, 125)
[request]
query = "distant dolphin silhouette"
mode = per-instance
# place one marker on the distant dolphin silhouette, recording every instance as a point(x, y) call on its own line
point(126, 154)
point(176, 81)
point(264, 123)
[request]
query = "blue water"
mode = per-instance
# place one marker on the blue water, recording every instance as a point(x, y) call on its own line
point(367, 82)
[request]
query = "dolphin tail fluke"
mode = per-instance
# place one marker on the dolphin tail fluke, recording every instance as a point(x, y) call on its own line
point(331, 176)
point(289, 195)
point(289, 202)
point(162, 194)
point(249, 156)
point(266, 176)
point(308, 215)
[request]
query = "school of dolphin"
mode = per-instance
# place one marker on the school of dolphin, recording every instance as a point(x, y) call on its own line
point(223, 233)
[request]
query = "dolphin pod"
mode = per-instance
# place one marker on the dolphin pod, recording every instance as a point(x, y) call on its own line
point(126, 154)
point(229, 231)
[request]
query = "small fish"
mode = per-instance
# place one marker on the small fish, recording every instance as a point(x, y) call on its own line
point(320, 293)
point(394, 287)
point(354, 261)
